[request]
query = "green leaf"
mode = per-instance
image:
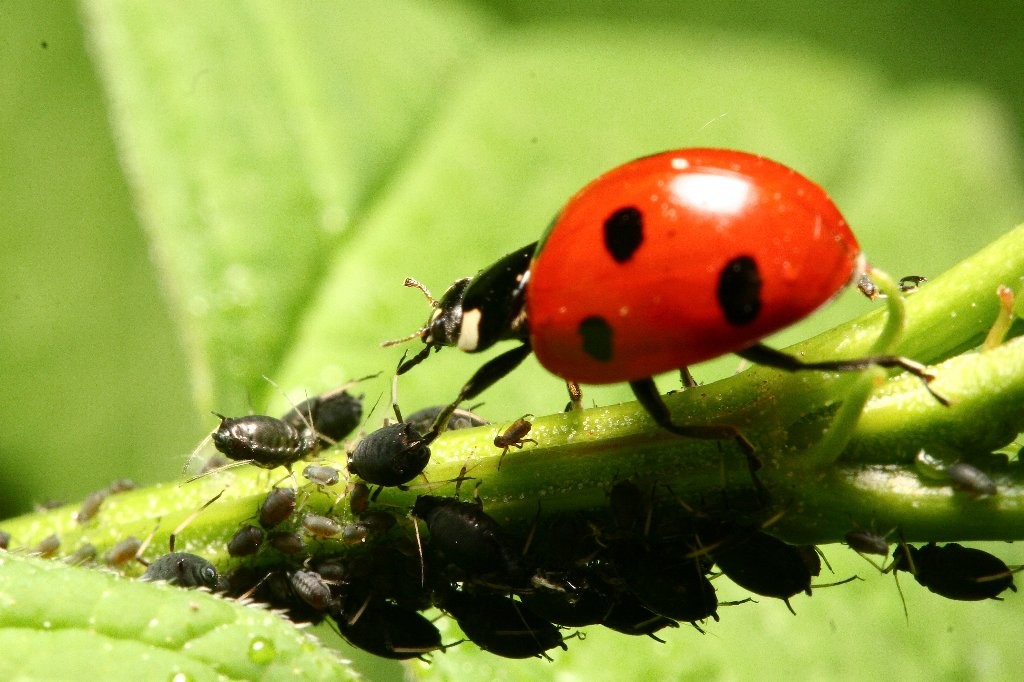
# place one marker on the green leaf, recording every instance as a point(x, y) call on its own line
point(262, 132)
point(118, 629)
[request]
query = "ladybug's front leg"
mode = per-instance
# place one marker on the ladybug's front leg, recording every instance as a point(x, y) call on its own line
point(485, 377)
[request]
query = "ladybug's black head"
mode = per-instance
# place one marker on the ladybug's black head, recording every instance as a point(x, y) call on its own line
point(445, 323)
point(442, 327)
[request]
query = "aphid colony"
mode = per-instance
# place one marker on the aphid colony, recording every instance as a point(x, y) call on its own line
point(642, 563)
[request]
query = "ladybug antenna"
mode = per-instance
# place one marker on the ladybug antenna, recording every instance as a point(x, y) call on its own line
point(410, 282)
point(415, 284)
point(415, 335)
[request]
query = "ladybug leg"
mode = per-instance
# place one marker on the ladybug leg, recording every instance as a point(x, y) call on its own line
point(485, 377)
point(687, 378)
point(575, 396)
point(646, 392)
point(763, 355)
point(405, 365)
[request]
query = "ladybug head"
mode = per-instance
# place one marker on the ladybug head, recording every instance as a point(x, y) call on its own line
point(442, 327)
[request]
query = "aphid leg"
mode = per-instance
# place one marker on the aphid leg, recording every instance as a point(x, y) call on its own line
point(145, 545)
point(192, 517)
point(419, 548)
point(229, 465)
point(195, 453)
point(394, 394)
point(461, 477)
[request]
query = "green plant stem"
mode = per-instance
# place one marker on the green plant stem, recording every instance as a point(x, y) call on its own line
point(786, 415)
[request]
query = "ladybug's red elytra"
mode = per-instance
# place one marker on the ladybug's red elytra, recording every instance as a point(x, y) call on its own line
point(665, 261)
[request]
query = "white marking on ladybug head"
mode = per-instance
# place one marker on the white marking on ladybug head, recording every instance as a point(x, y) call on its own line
point(469, 330)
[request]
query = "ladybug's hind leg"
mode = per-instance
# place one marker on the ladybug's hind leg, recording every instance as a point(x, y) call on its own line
point(769, 357)
point(646, 392)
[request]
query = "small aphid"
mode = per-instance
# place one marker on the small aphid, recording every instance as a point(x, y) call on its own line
point(514, 437)
point(246, 541)
point(392, 455)
point(911, 283)
point(866, 542)
point(48, 505)
point(954, 571)
point(124, 551)
point(930, 467)
point(311, 588)
point(388, 630)
point(765, 565)
point(470, 539)
point(121, 485)
point(501, 625)
point(354, 534)
point(628, 506)
point(5, 539)
point(84, 554)
point(667, 582)
point(971, 480)
point(573, 599)
point(378, 521)
point(333, 570)
point(423, 420)
point(278, 506)
point(321, 475)
point(264, 441)
point(182, 568)
point(332, 415)
point(285, 542)
point(359, 498)
point(47, 547)
point(321, 526)
point(91, 506)
point(628, 616)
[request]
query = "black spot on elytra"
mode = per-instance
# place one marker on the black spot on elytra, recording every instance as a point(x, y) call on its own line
point(739, 291)
point(596, 335)
point(624, 233)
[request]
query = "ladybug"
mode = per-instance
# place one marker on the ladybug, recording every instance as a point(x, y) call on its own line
point(666, 261)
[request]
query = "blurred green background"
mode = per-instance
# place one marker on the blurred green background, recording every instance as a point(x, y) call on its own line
point(196, 196)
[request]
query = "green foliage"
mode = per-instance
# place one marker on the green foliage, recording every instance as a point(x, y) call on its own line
point(120, 629)
point(290, 164)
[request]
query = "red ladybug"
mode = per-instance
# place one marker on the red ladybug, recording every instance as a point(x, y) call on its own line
point(665, 261)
